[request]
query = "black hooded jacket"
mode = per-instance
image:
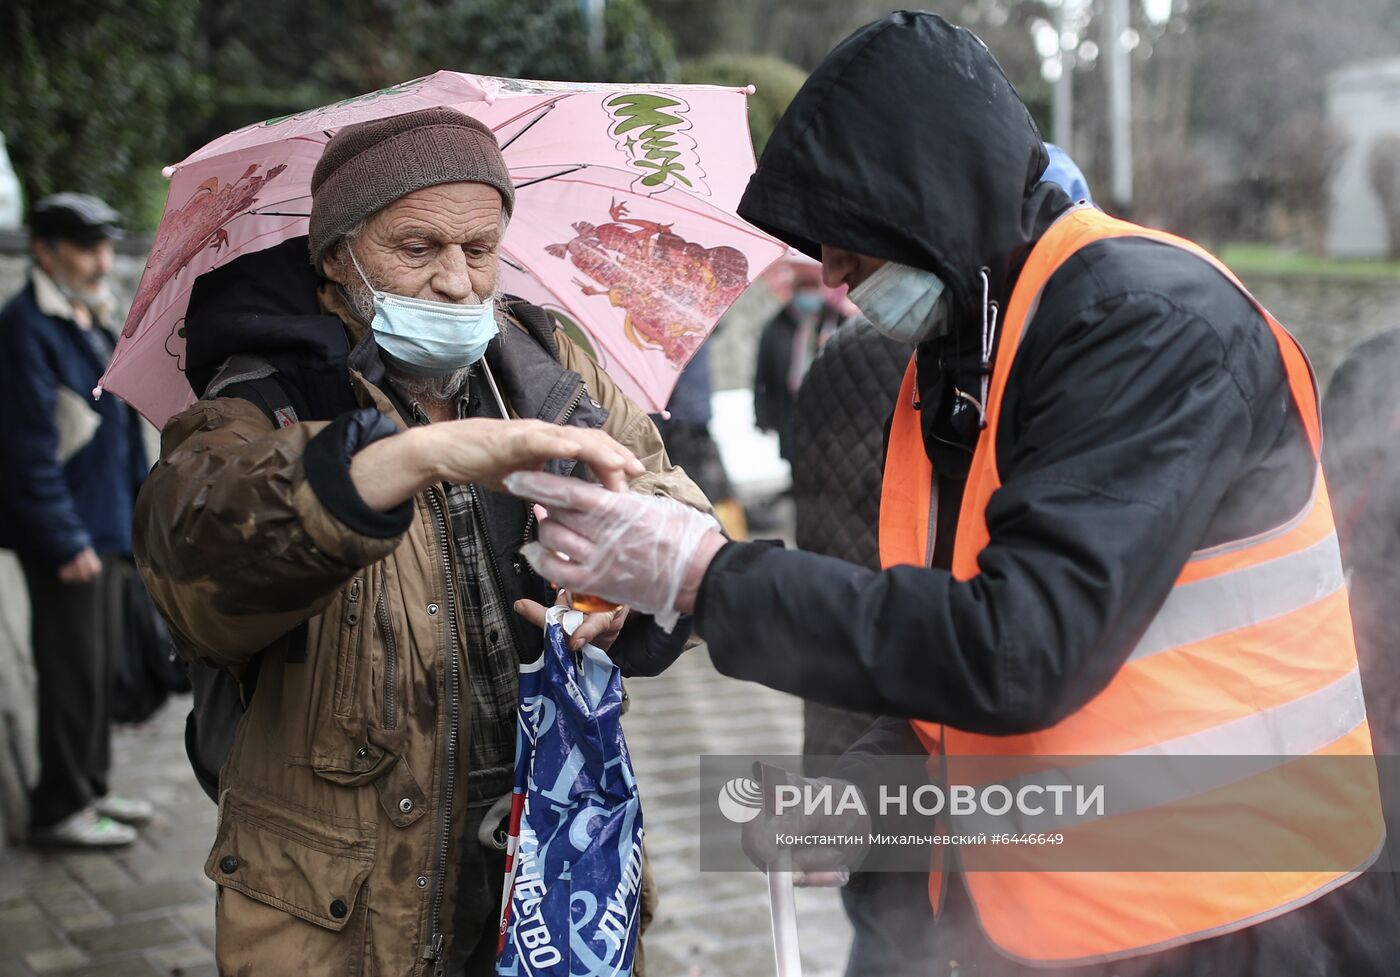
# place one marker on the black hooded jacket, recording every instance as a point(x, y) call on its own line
point(1146, 415)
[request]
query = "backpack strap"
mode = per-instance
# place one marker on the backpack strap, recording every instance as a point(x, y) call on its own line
point(257, 381)
point(252, 378)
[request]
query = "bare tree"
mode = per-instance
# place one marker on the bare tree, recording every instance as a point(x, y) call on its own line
point(1304, 153)
point(1175, 191)
point(1384, 167)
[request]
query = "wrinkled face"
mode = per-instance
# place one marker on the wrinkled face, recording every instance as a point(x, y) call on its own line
point(440, 243)
point(842, 267)
point(81, 269)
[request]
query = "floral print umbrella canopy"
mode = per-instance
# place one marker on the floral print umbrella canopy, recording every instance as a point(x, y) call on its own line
point(624, 223)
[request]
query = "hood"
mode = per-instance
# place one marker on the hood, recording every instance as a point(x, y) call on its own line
point(265, 304)
point(908, 143)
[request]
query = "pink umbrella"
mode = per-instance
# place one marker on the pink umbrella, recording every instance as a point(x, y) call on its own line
point(624, 221)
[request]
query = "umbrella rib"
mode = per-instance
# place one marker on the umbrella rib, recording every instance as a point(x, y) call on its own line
point(541, 179)
point(529, 125)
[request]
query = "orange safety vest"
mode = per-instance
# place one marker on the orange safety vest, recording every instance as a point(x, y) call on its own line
point(1251, 654)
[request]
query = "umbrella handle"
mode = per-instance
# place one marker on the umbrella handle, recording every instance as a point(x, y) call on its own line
point(782, 899)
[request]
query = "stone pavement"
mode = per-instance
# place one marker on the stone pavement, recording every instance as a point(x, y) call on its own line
point(148, 911)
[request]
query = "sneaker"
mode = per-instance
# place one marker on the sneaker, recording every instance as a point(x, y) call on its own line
point(134, 811)
point(86, 829)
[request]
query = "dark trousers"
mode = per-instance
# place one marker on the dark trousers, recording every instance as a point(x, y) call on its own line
point(893, 926)
point(476, 917)
point(75, 630)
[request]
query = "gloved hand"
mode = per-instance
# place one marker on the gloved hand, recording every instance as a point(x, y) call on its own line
point(622, 546)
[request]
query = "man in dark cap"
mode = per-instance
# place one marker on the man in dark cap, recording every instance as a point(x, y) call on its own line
point(70, 468)
point(341, 538)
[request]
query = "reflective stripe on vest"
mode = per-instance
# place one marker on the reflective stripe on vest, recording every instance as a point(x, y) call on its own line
point(1251, 655)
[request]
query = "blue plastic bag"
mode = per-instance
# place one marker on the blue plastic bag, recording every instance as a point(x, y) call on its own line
point(574, 870)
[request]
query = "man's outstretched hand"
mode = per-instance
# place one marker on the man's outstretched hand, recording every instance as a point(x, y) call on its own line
point(481, 451)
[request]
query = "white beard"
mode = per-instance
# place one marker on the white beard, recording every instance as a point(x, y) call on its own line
point(440, 391)
point(96, 300)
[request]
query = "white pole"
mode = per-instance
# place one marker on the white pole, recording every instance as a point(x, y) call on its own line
point(1063, 122)
point(593, 14)
point(782, 900)
point(1120, 100)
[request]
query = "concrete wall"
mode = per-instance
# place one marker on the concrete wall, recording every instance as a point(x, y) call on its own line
point(1363, 102)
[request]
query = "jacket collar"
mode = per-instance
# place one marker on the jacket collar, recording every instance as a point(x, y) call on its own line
point(53, 303)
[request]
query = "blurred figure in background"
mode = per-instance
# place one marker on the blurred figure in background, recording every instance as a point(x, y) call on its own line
point(838, 439)
point(686, 432)
point(1064, 172)
point(786, 348)
point(70, 468)
point(1361, 458)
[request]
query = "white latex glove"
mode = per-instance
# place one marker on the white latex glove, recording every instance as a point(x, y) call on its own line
point(622, 546)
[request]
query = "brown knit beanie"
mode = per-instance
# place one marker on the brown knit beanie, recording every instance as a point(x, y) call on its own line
point(368, 166)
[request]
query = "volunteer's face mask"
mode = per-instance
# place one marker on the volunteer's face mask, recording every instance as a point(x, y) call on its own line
point(428, 338)
point(902, 302)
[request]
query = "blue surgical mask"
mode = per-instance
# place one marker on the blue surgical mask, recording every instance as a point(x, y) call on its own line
point(902, 302)
point(808, 303)
point(428, 338)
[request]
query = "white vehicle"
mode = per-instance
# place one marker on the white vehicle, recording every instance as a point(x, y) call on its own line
point(11, 202)
point(756, 470)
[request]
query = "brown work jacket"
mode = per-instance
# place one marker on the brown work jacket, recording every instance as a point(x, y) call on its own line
point(336, 847)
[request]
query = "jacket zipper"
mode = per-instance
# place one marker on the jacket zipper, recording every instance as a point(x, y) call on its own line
point(391, 662)
point(432, 950)
point(346, 670)
point(561, 420)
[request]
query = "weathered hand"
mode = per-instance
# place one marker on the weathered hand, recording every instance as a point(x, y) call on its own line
point(634, 549)
point(599, 630)
point(816, 865)
point(485, 451)
point(82, 568)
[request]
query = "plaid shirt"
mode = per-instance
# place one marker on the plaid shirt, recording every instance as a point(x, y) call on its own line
point(493, 661)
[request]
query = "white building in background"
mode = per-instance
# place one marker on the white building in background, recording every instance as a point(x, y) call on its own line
point(11, 201)
point(1363, 102)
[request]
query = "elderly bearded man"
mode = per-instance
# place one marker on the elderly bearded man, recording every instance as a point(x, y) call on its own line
point(70, 468)
point(358, 559)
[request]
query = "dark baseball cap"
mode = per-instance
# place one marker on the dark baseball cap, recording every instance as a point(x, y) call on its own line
point(78, 217)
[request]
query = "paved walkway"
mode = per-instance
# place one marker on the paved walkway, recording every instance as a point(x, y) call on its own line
point(148, 911)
